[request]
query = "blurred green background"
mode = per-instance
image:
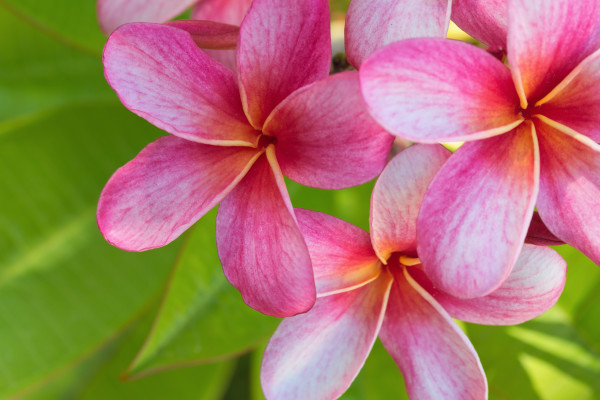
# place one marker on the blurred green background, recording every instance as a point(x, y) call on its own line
point(80, 319)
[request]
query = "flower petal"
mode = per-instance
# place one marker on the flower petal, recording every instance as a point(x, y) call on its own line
point(112, 13)
point(397, 197)
point(533, 286)
point(225, 11)
point(486, 20)
point(191, 95)
point(317, 355)
point(570, 188)
point(547, 39)
point(432, 90)
point(209, 34)
point(260, 245)
point(575, 102)
point(282, 47)
point(173, 182)
point(434, 355)
point(476, 212)
point(341, 253)
point(325, 136)
point(539, 233)
point(372, 24)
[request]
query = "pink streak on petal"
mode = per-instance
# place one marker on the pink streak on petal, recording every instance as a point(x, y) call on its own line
point(539, 233)
point(476, 212)
point(485, 20)
point(434, 355)
point(225, 11)
point(260, 246)
point(317, 355)
point(190, 95)
point(341, 253)
point(372, 24)
point(167, 187)
point(575, 102)
point(209, 34)
point(112, 13)
point(225, 57)
point(570, 188)
point(533, 286)
point(432, 90)
point(282, 47)
point(547, 39)
point(325, 136)
point(397, 197)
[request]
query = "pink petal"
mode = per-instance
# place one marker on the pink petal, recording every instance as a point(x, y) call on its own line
point(432, 90)
point(539, 233)
point(225, 11)
point(547, 39)
point(208, 34)
point(283, 46)
point(225, 57)
point(325, 136)
point(532, 287)
point(575, 102)
point(260, 246)
point(317, 355)
point(570, 188)
point(191, 95)
point(112, 13)
point(397, 197)
point(485, 20)
point(341, 253)
point(372, 24)
point(173, 182)
point(476, 213)
point(434, 355)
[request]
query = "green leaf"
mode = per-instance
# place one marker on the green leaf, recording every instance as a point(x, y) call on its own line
point(72, 22)
point(39, 74)
point(63, 290)
point(202, 316)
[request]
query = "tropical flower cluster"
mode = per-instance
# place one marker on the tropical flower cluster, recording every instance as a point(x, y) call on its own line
point(452, 235)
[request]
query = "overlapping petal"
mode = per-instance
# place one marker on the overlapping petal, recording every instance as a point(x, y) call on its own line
point(575, 102)
point(547, 39)
point(397, 197)
point(260, 245)
point(209, 34)
point(371, 24)
point(166, 188)
point(539, 234)
point(533, 286)
point(283, 46)
point(341, 253)
point(225, 11)
point(325, 136)
point(485, 20)
point(435, 357)
point(112, 13)
point(432, 90)
point(569, 200)
point(318, 354)
point(476, 212)
point(191, 95)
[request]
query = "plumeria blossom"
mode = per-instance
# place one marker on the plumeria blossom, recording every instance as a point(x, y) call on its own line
point(531, 133)
point(375, 286)
point(113, 13)
point(231, 139)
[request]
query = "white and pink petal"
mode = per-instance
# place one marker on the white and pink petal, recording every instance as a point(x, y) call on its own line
point(171, 184)
point(485, 20)
point(225, 11)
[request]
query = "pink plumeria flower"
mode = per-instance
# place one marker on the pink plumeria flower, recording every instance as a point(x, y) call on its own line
point(113, 13)
point(531, 128)
point(375, 286)
point(231, 139)
point(372, 24)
